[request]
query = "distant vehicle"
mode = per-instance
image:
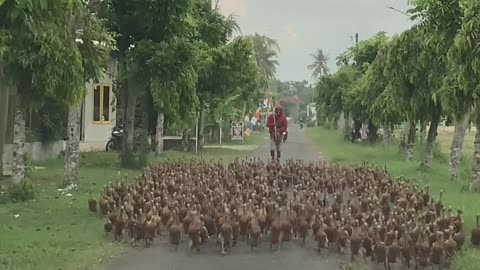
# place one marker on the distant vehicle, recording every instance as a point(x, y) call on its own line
point(115, 142)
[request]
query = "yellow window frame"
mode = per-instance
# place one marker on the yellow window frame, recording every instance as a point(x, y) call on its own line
point(101, 121)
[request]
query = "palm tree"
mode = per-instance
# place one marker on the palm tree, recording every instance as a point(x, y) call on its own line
point(232, 23)
point(319, 66)
point(266, 56)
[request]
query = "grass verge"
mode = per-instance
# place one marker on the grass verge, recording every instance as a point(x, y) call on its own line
point(56, 231)
point(455, 193)
point(255, 138)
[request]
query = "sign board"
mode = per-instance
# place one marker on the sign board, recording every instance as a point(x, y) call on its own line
point(237, 131)
point(312, 112)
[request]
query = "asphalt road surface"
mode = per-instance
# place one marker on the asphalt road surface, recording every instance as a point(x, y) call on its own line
point(292, 255)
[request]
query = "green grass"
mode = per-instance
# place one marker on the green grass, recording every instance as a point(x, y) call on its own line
point(57, 232)
point(255, 138)
point(445, 136)
point(455, 193)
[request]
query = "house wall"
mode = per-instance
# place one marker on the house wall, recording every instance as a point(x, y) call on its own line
point(95, 135)
point(98, 134)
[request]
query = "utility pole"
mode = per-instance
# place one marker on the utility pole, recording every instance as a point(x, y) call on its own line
point(356, 39)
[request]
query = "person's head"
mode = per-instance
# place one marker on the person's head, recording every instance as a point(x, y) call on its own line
point(278, 110)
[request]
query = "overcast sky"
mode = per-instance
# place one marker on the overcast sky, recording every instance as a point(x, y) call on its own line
point(302, 26)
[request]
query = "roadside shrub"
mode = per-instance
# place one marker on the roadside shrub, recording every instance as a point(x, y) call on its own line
point(98, 159)
point(3, 195)
point(311, 123)
point(15, 193)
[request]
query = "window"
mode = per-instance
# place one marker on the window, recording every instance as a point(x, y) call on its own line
point(101, 103)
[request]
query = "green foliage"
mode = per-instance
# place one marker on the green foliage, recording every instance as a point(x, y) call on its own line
point(349, 90)
point(168, 70)
point(16, 193)
point(155, 20)
point(332, 91)
point(228, 70)
point(211, 26)
point(49, 121)
point(319, 66)
point(463, 56)
point(41, 55)
point(266, 52)
point(300, 89)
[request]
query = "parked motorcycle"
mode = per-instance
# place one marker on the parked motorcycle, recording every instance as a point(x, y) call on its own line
point(115, 142)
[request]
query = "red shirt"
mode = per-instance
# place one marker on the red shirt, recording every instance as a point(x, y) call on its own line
point(280, 121)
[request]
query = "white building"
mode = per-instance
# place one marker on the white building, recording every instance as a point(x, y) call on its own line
point(98, 117)
point(98, 113)
point(312, 112)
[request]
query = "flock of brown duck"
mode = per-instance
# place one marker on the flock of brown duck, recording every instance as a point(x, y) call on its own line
point(354, 210)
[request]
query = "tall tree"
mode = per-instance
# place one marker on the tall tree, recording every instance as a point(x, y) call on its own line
point(137, 21)
point(214, 30)
point(464, 57)
point(94, 43)
point(439, 21)
point(230, 70)
point(266, 56)
point(169, 72)
point(39, 65)
point(319, 67)
point(408, 74)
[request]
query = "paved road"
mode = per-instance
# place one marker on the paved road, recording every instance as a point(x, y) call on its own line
point(291, 255)
point(297, 147)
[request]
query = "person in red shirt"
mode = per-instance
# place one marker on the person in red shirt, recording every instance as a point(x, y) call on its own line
point(277, 126)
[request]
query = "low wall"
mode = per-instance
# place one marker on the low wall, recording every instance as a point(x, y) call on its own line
point(39, 151)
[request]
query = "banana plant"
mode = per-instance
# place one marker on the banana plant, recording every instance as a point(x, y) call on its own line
point(222, 110)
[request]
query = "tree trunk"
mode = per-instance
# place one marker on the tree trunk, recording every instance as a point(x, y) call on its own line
point(347, 127)
point(410, 140)
point(403, 139)
point(18, 144)
point(387, 135)
point(201, 126)
point(372, 132)
point(4, 99)
point(423, 129)
point(432, 135)
point(72, 147)
point(244, 110)
point(185, 139)
point(129, 105)
point(357, 127)
point(456, 147)
point(475, 181)
point(159, 134)
point(129, 125)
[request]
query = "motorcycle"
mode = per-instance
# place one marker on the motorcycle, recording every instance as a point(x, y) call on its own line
point(115, 142)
